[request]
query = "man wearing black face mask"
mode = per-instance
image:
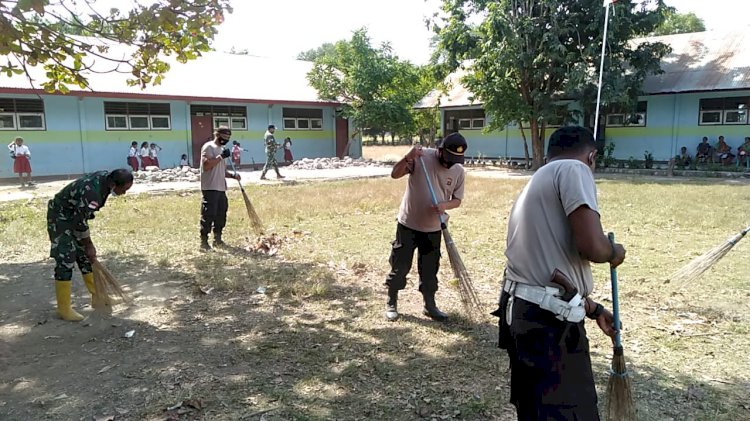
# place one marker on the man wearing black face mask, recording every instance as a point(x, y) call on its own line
point(214, 173)
point(418, 219)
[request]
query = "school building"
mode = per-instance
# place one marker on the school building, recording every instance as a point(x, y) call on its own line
point(704, 91)
point(90, 130)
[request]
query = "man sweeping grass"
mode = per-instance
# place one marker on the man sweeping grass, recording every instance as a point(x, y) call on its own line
point(68, 214)
point(419, 220)
point(554, 232)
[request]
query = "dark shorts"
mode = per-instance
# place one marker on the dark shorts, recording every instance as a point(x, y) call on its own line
point(551, 375)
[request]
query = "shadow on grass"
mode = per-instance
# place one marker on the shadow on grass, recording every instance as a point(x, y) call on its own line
point(292, 353)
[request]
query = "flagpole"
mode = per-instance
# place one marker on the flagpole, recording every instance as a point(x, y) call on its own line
point(601, 69)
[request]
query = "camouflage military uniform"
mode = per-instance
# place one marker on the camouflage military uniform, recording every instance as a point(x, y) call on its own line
point(271, 147)
point(67, 221)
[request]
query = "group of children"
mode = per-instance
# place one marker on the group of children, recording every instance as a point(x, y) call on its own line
point(236, 155)
point(149, 155)
point(721, 153)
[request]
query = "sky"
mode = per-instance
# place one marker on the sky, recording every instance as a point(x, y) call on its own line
point(284, 28)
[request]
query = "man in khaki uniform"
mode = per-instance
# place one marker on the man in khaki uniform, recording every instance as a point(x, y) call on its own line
point(419, 220)
point(214, 204)
point(554, 232)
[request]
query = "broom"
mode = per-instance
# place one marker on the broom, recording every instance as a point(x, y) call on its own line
point(108, 290)
point(620, 405)
point(700, 264)
point(255, 221)
point(469, 297)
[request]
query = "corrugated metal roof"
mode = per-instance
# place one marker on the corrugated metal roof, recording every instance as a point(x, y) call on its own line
point(214, 75)
point(701, 61)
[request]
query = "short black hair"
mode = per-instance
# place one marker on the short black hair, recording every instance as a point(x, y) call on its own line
point(133, 143)
point(271, 126)
point(570, 139)
point(120, 177)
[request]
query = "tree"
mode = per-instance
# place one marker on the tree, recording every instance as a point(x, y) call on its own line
point(378, 91)
point(314, 53)
point(46, 33)
point(680, 23)
point(525, 56)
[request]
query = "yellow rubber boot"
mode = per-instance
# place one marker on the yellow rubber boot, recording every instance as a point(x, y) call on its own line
point(64, 309)
point(88, 279)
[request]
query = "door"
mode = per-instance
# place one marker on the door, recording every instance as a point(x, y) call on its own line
point(202, 131)
point(342, 136)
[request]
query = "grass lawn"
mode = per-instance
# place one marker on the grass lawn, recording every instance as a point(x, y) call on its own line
point(315, 345)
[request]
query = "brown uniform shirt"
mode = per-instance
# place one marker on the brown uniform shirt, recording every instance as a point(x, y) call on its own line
point(215, 178)
point(416, 206)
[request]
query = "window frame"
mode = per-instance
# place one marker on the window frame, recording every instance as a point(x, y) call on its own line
point(627, 118)
point(146, 116)
point(710, 123)
point(40, 115)
point(142, 106)
point(307, 122)
point(723, 111)
point(12, 116)
point(289, 120)
point(106, 121)
point(151, 122)
point(216, 118)
point(242, 119)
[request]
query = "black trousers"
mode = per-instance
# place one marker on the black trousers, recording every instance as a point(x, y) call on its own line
point(427, 245)
point(551, 376)
point(214, 206)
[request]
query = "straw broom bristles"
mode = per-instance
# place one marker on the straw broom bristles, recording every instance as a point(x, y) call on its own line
point(620, 405)
point(255, 222)
point(469, 297)
point(702, 263)
point(108, 290)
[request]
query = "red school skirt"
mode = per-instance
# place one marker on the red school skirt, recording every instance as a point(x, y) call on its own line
point(21, 165)
point(133, 162)
point(145, 162)
point(288, 155)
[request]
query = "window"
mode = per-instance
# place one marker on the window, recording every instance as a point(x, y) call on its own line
point(137, 116)
point(730, 110)
point(302, 119)
point(464, 120)
point(232, 116)
point(619, 116)
point(21, 114)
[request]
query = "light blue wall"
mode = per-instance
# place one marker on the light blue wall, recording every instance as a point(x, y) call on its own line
point(75, 140)
point(671, 122)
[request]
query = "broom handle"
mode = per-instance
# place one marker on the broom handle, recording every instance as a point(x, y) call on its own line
point(235, 173)
point(615, 297)
point(432, 191)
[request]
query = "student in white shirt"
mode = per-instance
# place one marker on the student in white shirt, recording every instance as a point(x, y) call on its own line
point(132, 153)
point(145, 159)
point(184, 161)
point(21, 161)
point(153, 153)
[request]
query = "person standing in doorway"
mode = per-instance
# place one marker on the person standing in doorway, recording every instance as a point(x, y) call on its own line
point(21, 155)
point(214, 204)
point(288, 158)
point(271, 147)
point(132, 154)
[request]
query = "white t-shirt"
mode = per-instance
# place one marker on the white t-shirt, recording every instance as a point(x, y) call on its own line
point(144, 152)
point(20, 150)
point(132, 152)
point(540, 238)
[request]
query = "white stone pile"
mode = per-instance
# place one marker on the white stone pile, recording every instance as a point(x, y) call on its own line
point(156, 175)
point(333, 163)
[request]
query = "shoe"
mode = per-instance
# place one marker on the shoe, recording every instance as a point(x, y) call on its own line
point(88, 279)
point(64, 308)
point(279, 176)
point(391, 309)
point(218, 243)
point(204, 244)
point(431, 310)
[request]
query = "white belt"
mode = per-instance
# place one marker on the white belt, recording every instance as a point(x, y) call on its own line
point(548, 299)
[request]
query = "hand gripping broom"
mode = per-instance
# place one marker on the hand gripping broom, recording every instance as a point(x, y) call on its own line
point(620, 405)
point(255, 221)
point(702, 263)
point(469, 297)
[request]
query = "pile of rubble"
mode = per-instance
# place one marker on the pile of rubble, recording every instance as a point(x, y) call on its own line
point(156, 175)
point(333, 163)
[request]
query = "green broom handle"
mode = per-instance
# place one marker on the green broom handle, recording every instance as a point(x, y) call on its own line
point(615, 299)
point(432, 191)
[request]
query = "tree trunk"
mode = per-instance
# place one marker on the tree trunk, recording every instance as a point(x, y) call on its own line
point(525, 146)
point(537, 145)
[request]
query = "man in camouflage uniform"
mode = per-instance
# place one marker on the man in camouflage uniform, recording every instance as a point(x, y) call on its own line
point(67, 225)
point(271, 147)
